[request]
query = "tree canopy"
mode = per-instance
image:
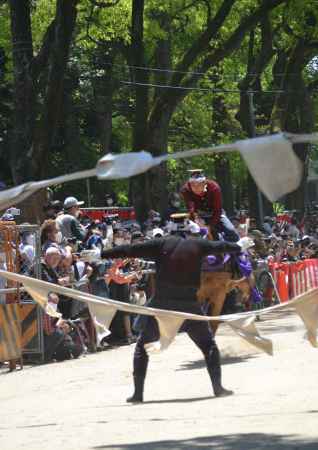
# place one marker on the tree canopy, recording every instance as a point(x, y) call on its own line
point(80, 78)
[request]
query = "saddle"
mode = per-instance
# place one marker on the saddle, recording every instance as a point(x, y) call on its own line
point(238, 265)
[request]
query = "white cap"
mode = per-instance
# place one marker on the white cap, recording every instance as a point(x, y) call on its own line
point(157, 232)
point(69, 202)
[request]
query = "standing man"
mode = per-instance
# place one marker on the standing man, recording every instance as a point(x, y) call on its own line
point(68, 222)
point(178, 267)
point(203, 198)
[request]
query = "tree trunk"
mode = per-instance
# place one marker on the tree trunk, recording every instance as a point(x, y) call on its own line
point(222, 126)
point(258, 59)
point(223, 176)
point(23, 92)
point(158, 144)
point(296, 110)
point(103, 94)
point(66, 12)
point(139, 191)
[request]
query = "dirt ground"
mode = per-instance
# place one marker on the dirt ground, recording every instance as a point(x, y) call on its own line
point(80, 404)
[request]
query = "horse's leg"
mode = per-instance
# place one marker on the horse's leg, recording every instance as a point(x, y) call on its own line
point(217, 302)
point(214, 288)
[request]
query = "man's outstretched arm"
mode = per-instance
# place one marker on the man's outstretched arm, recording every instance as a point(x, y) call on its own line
point(148, 249)
point(217, 247)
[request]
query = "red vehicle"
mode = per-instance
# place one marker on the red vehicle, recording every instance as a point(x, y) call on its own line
point(124, 213)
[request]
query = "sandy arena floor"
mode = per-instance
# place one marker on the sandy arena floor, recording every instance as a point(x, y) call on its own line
point(80, 404)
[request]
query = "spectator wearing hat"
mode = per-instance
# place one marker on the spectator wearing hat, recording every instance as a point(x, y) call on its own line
point(53, 209)
point(68, 222)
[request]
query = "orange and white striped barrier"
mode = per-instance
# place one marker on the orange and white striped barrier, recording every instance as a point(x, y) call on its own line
point(281, 275)
point(294, 278)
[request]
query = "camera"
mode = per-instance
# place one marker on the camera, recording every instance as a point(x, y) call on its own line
point(146, 265)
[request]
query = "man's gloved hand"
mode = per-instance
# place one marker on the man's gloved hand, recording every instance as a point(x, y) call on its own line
point(245, 243)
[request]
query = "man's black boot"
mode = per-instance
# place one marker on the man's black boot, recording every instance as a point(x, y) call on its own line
point(214, 369)
point(138, 395)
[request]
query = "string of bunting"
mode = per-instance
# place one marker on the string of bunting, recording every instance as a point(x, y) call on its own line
point(104, 309)
point(270, 160)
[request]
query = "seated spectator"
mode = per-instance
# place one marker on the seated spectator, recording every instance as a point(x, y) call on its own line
point(52, 258)
point(58, 344)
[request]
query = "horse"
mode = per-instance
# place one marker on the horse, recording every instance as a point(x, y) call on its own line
point(219, 276)
point(217, 280)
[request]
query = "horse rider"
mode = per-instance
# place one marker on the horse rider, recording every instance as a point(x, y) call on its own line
point(203, 198)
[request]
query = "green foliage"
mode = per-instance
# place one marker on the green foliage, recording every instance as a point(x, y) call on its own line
point(278, 208)
point(101, 46)
point(5, 39)
point(103, 24)
point(42, 15)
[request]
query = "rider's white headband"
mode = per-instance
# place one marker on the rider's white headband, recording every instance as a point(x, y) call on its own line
point(199, 179)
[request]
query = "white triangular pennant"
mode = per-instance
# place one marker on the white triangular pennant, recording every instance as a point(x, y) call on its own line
point(246, 328)
point(308, 312)
point(168, 328)
point(273, 164)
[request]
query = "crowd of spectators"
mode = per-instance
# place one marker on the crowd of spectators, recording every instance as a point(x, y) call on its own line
point(67, 234)
point(282, 237)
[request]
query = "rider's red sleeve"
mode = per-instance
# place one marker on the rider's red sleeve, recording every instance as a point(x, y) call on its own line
point(215, 200)
point(188, 199)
